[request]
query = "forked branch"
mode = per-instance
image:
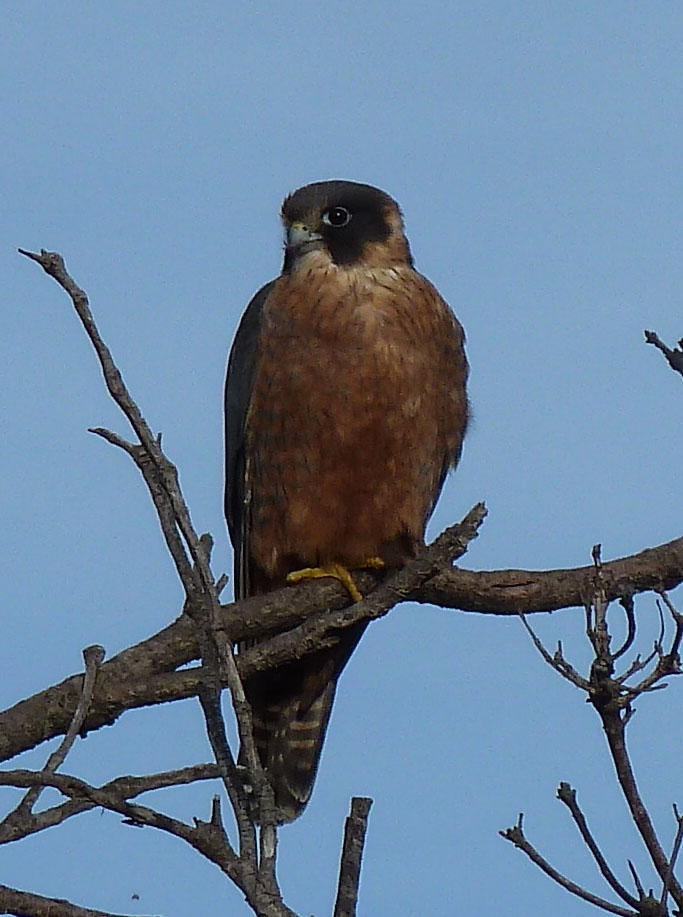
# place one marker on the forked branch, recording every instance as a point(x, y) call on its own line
point(613, 699)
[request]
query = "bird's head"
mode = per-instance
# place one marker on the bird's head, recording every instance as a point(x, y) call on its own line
point(350, 223)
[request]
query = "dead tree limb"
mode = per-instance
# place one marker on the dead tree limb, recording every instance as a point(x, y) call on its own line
point(145, 674)
point(352, 853)
point(27, 904)
point(674, 357)
point(612, 697)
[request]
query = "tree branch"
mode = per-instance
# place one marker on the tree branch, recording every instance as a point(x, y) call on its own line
point(207, 838)
point(516, 836)
point(567, 795)
point(352, 853)
point(125, 788)
point(526, 591)
point(674, 357)
point(143, 674)
point(613, 703)
point(92, 656)
point(27, 904)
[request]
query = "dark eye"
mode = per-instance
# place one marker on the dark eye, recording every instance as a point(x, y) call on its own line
point(336, 216)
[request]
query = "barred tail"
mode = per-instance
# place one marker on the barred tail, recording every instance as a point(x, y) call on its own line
point(291, 709)
point(290, 743)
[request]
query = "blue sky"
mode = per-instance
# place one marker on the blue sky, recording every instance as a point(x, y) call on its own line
point(536, 151)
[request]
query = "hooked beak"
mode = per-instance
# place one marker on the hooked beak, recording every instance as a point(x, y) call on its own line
point(299, 235)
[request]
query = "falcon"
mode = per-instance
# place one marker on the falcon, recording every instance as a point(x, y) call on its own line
point(345, 407)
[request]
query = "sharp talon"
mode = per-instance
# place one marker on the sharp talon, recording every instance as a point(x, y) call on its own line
point(335, 570)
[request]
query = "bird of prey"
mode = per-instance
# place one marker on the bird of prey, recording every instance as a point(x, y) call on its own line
point(345, 408)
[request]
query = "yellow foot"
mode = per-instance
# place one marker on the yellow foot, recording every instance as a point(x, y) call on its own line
point(336, 570)
point(372, 563)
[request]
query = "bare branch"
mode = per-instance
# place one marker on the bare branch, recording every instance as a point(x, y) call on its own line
point(678, 620)
point(567, 795)
point(123, 787)
point(528, 591)
point(614, 730)
point(516, 836)
point(674, 357)
point(351, 856)
point(205, 837)
point(636, 879)
point(53, 264)
point(626, 602)
point(162, 503)
point(612, 700)
point(667, 663)
point(613, 705)
point(93, 657)
point(557, 661)
point(675, 850)
point(27, 904)
point(143, 674)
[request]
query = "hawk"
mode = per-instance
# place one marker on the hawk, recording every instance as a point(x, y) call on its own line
point(345, 408)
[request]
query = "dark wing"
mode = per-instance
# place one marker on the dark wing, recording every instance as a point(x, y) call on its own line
point(239, 385)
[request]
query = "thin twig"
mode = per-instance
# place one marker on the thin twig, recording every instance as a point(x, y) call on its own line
point(557, 662)
point(53, 264)
point(93, 657)
point(203, 836)
point(516, 836)
point(162, 504)
point(636, 879)
point(199, 610)
point(678, 620)
point(567, 795)
point(127, 788)
point(628, 606)
point(675, 850)
point(667, 663)
point(209, 687)
point(636, 666)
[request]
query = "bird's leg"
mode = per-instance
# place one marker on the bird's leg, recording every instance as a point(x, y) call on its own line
point(338, 571)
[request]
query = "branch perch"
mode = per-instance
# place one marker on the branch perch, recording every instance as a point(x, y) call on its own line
point(144, 674)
